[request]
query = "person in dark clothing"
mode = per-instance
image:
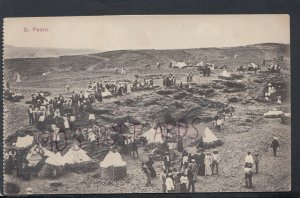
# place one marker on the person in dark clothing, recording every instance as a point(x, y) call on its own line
point(248, 175)
point(147, 172)
point(30, 113)
point(167, 161)
point(190, 176)
point(256, 161)
point(275, 145)
point(150, 167)
point(134, 149)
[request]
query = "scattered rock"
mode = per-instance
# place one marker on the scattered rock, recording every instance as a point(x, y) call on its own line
point(234, 99)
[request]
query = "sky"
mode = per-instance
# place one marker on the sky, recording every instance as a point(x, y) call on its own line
point(147, 31)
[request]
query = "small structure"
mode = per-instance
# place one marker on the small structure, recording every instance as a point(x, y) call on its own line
point(113, 167)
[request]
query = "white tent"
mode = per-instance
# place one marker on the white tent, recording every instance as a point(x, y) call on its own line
point(209, 136)
point(225, 73)
point(112, 159)
point(180, 65)
point(254, 65)
point(76, 155)
point(55, 159)
point(106, 93)
point(153, 135)
point(23, 142)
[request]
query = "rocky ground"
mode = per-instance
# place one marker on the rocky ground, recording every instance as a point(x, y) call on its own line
point(246, 130)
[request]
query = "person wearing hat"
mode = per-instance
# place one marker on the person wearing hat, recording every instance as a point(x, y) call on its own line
point(275, 145)
point(147, 172)
point(215, 161)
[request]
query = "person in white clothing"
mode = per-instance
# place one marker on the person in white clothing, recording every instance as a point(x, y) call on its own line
point(249, 158)
point(169, 183)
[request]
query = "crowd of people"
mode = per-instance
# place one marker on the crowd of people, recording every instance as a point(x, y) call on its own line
point(169, 80)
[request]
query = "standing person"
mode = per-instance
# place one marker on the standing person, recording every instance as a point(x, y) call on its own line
point(208, 162)
point(275, 145)
point(167, 161)
point(248, 175)
point(18, 77)
point(190, 177)
point(256, 161)
point(163, 177)
point(134, 149)
point(147, 172)
point(215, 161)
point(249, 158)
point(169, 183)
point(183, 183)
point(219, 123)
point(150, 167)
point(30, 114)
point(68, 88)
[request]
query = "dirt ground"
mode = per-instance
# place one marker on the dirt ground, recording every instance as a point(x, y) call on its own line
point(275, 172)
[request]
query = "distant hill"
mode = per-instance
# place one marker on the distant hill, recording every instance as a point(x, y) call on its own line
point(11, 52)
point(137, 59)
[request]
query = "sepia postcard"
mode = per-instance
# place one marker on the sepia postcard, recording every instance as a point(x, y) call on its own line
point(146, 104)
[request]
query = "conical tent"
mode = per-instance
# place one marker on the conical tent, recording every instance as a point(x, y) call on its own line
point(76, 155)
point(153, 136)
point(112, 159)
point(24, 142)
point(180, 65)
point(225, 73)
point(209, 136)
point(55, 159)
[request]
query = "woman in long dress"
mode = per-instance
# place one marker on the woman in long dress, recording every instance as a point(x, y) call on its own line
point(208, 162)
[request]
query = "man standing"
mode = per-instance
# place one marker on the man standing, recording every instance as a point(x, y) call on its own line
point(147, 172)
point(275, 145)
point(163, 177)
point(215, 161)
point(190, 177)
point(169, 183)
point(30, 113)
point(134, 149)
point(248, 175)
point(167, 161)
point(256, 161)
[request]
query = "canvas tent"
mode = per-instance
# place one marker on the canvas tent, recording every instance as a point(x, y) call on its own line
point(253, 65)
point(106, 93)
point(153, 136)
point(24, 142)
point(209, 136)
point(77, 160)
point(76, 155)
point(180, 65)
point(113, 167)
point(225, 73)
